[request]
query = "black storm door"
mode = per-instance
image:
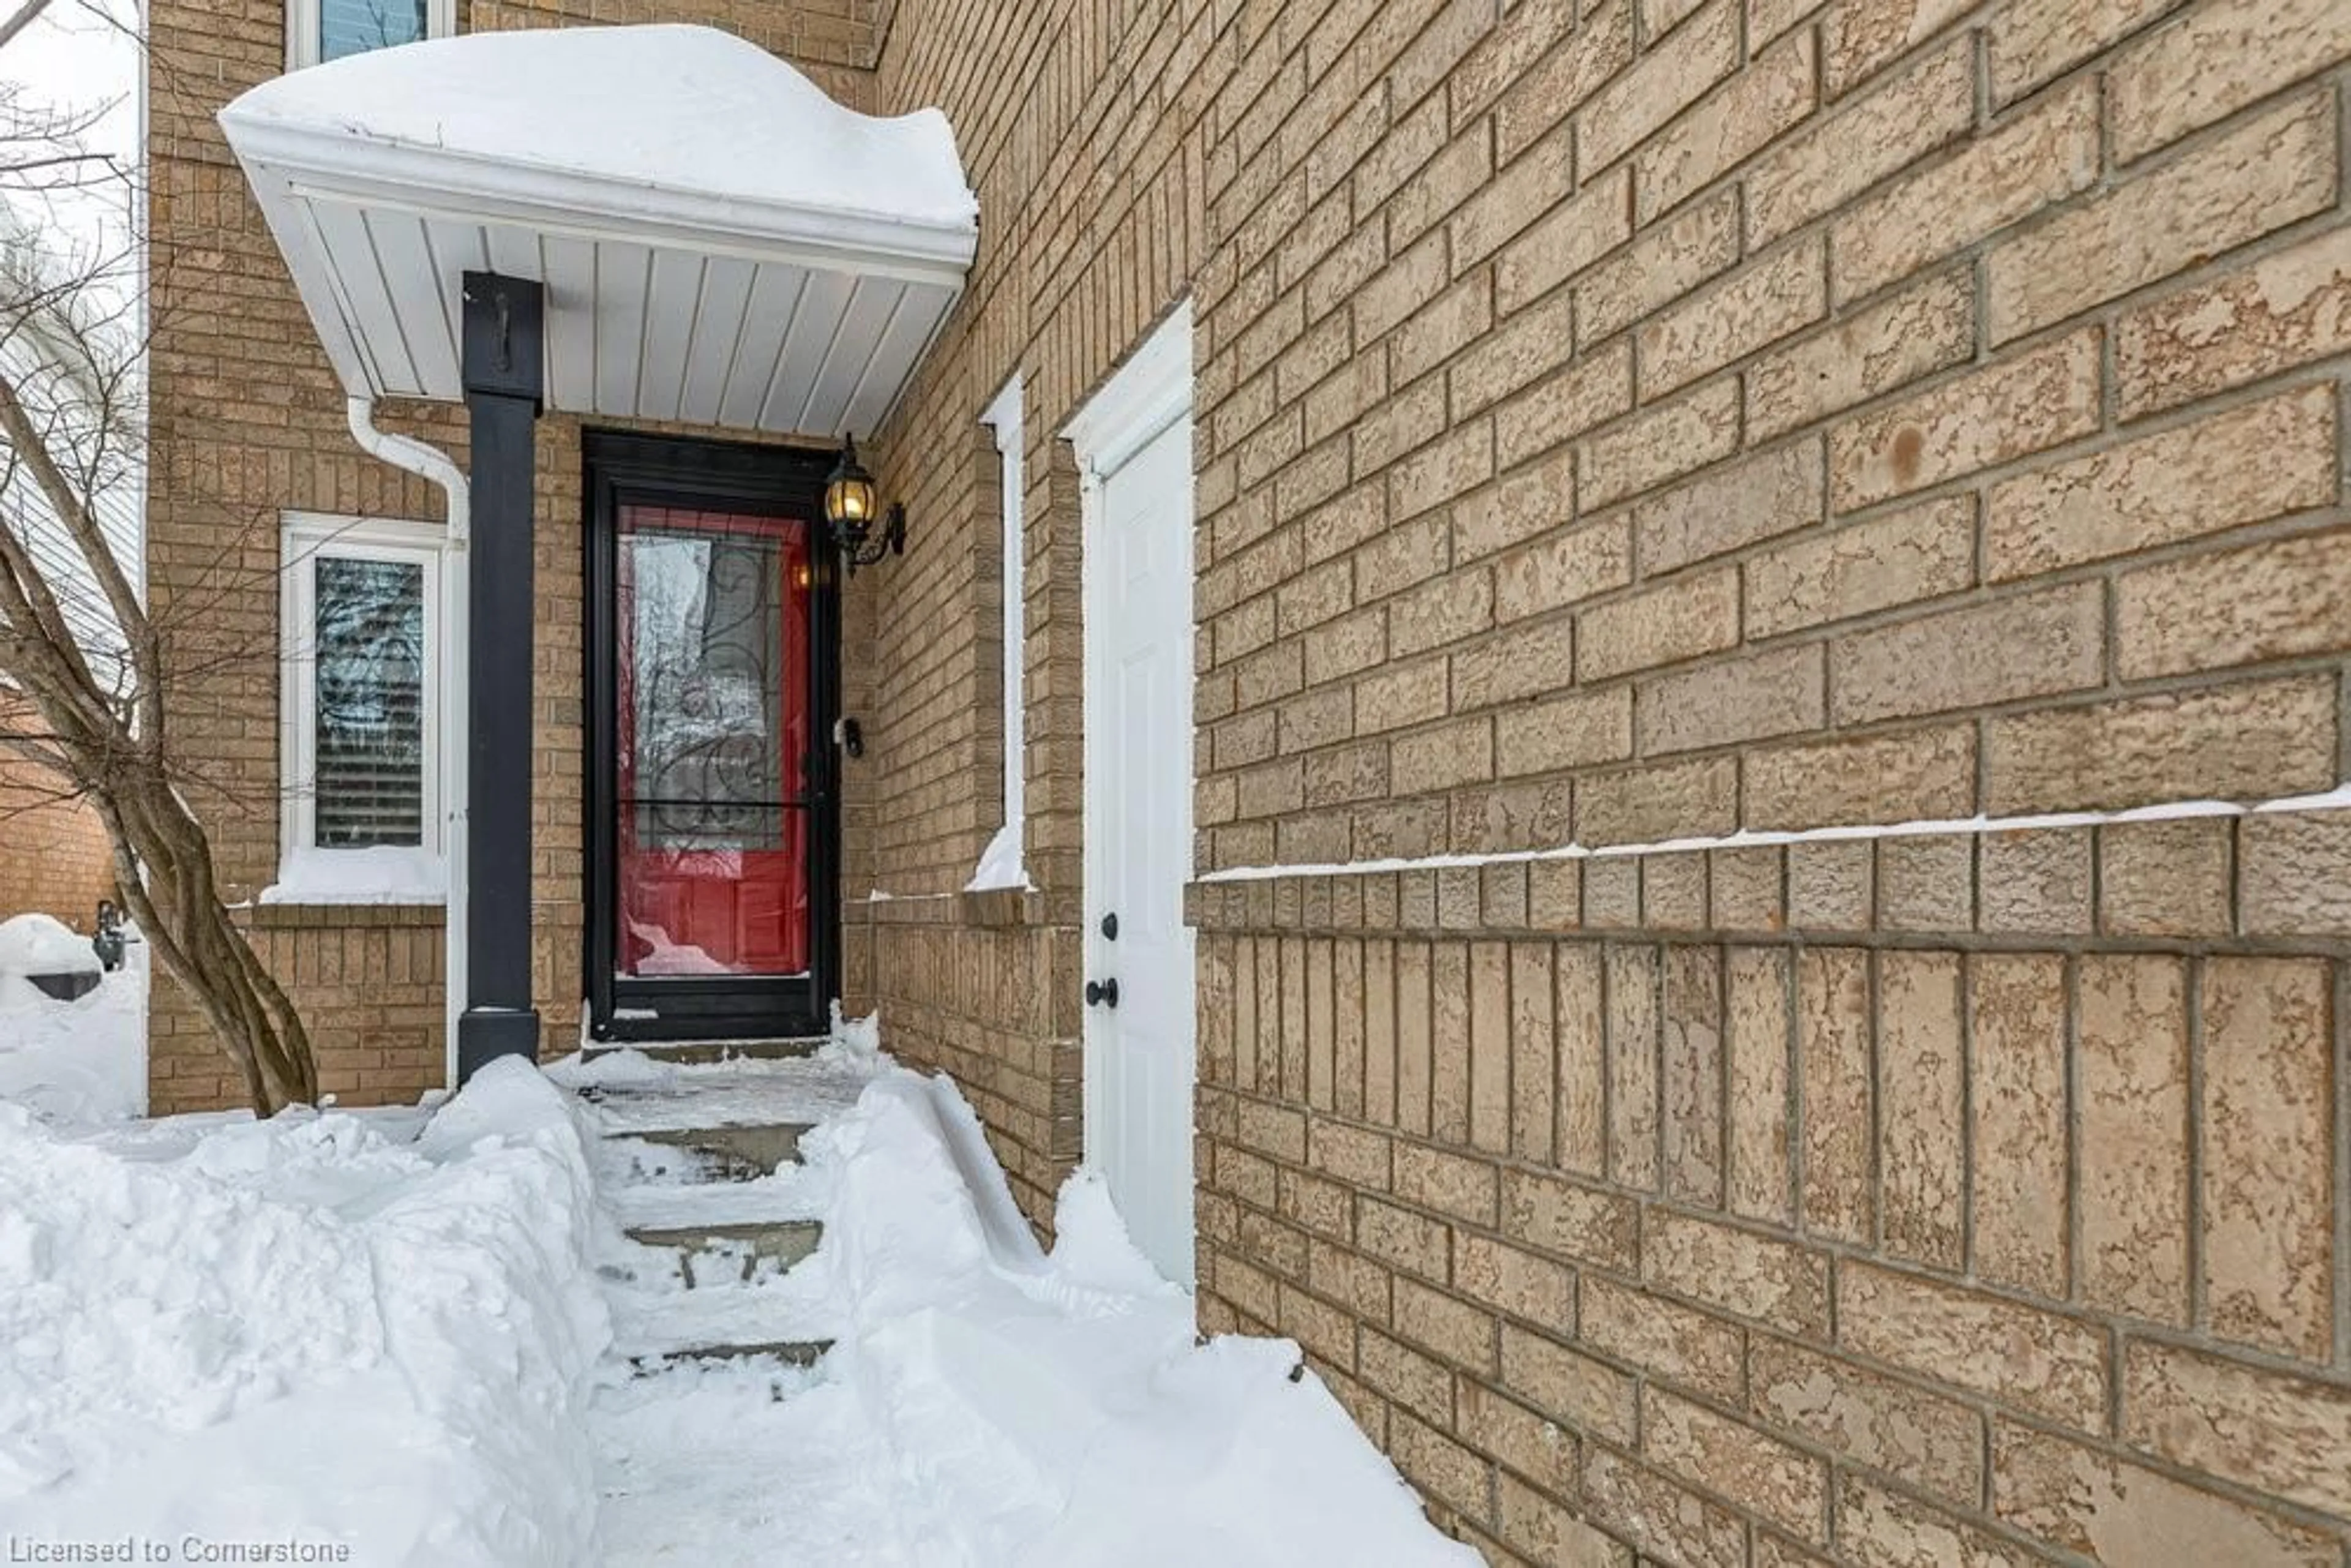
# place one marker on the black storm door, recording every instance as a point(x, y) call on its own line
point(712, 806)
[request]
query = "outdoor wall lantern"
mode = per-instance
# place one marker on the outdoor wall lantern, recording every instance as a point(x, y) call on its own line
point(849, 507)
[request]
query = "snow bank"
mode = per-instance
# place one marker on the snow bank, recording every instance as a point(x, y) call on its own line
point(1058, 1413)
point(304, 1331)
point(83, 1061)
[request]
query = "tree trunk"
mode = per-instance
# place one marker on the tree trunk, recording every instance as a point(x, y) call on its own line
point(109, 735)
point(199, 943)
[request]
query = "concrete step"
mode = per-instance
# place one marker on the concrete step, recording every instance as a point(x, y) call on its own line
point(791, 1352)
point(734, 1154)
point(698, 1163)
point(703, 1052)
point(710, 1253)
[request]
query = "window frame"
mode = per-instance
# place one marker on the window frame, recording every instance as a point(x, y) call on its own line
point(1005, 417)
point(305, 540)
point(303, 32)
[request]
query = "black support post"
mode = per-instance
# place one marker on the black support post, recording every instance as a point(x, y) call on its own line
point(504, 321)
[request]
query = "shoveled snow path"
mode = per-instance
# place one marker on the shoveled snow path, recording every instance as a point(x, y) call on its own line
point(984, 1405)
point(723, 1461)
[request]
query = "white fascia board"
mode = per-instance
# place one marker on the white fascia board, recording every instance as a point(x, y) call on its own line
point(469, 188)
point(293, 170)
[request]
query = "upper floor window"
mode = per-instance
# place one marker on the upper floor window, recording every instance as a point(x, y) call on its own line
point(318, 30)
point(360, 700)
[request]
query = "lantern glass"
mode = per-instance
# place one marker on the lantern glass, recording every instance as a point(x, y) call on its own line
point(849, 501)
point(849, 493)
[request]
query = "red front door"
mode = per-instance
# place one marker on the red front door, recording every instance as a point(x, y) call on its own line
point(713, 747)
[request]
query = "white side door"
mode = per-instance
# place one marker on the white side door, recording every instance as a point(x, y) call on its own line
point(1140, 1047)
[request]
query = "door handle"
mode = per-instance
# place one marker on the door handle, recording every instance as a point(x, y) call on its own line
point(1101, 993)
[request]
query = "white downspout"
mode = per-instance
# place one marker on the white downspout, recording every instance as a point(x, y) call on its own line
point(456, 662)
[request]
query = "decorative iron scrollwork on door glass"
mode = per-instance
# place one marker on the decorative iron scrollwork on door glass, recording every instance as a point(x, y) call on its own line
point(707, 683)
point(713, 696)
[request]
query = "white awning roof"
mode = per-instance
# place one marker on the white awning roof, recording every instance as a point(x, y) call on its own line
point(720, 242)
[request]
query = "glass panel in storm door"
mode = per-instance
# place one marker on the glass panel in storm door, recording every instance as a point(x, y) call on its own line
point(712, 729)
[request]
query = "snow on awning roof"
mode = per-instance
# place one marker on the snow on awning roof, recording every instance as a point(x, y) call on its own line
point(721, 242)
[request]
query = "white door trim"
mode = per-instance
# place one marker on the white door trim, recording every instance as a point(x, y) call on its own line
point(1140, 401)
point(1143, 397)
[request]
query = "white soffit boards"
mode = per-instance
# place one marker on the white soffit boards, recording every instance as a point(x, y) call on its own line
point(721, 244)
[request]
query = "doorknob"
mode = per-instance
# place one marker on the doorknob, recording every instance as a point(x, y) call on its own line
point(1101, 993)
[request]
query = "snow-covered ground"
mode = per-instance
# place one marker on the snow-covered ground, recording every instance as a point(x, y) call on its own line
point(369, 1328)
point(83, 1061)
point(411, 1333)
point(1060, 1413)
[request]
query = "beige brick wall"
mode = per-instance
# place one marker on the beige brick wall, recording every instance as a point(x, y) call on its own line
point(1626, 420)
point(1881, 481)
point(368, 981)
point(1847, 1200)
point(58, 860)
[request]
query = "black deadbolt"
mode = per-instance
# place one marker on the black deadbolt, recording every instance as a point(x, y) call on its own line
point(1110, 926)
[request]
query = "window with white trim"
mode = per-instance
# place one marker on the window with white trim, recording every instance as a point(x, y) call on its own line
point(318, 30)
point(1004, 863)
point(360, 698)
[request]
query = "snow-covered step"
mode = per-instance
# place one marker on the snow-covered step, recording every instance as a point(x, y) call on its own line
point(780, 1196)
point(637, 1095)
point(737, 1226)
point(736, 1152)
point(696, 1100)
point(706, 1052)
point(646, 1363)
point(710, 1252)
point(765, 1318)
point(662, 1160)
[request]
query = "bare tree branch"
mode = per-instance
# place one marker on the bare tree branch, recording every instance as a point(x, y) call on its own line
point(85, 667)
point(24, 18)
point(27, 165)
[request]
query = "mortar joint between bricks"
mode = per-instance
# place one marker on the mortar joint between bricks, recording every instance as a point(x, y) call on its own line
point(2198, 1302)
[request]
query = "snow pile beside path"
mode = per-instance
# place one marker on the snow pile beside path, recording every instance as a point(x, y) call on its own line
point(304, 1331)
point(1041, 1412)
point(83, 1061)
